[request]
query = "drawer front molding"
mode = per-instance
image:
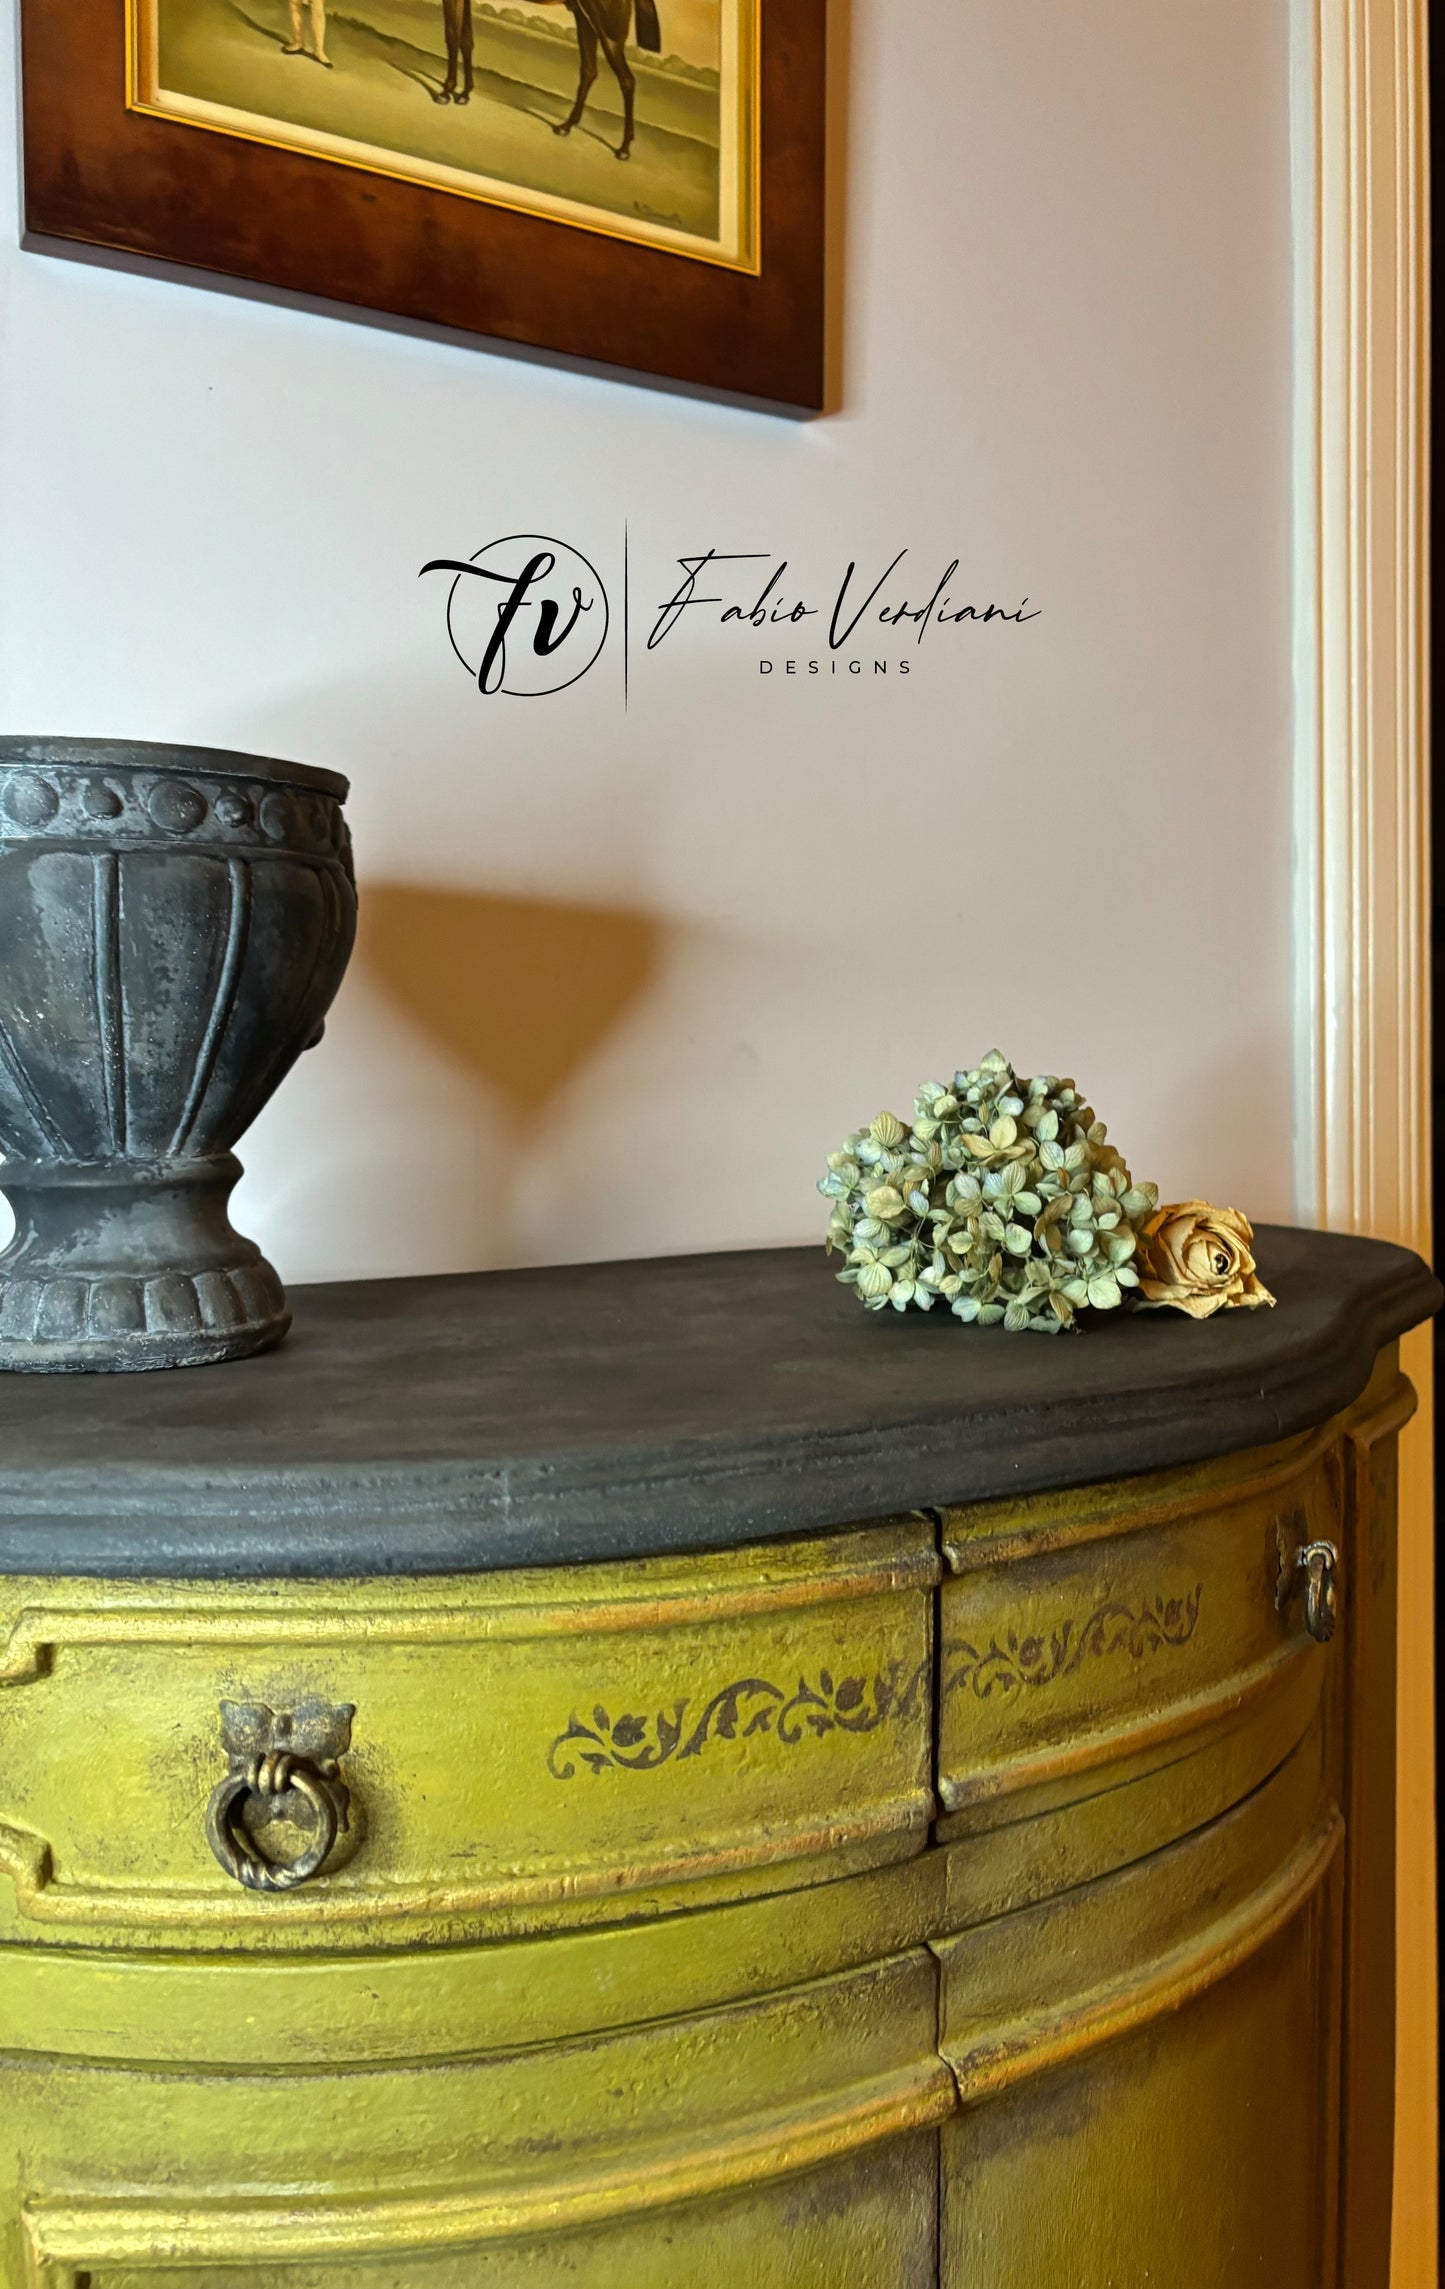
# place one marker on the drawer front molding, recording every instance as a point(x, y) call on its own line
point(813, 2075)
point(476, 1703)
point(66, 2241)
point(1091, 1632)
point(542, 2141)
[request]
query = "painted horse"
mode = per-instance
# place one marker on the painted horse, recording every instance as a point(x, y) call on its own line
point(604, 24)
point(600, 24)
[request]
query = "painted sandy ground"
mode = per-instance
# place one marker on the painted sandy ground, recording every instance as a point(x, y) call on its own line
point(389, 59)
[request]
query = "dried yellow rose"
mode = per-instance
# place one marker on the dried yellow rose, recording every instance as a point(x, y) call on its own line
point(1197, 1258)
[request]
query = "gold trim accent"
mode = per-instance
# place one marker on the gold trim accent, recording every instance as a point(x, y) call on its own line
point(1120, 1506)
point(197, 1614)
point(27, 1859)
point(1114, 1744)
point(265, 2013)
point(1176, 1977)
point(407, 2008)
point(66, 2239)
point(748, 261)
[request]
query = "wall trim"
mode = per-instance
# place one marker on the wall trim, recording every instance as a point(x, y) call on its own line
point(1361, 186)
point(1360, 160)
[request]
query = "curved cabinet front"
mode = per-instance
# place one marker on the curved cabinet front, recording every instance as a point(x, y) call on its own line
point(1051, 2074)
point(959, 1900)
point(517, 1751)
point(1145, 2065)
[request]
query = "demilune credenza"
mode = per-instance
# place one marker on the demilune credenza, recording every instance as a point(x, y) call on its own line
point(647, 1776)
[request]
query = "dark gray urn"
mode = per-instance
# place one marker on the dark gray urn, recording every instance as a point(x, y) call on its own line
point(174, 923)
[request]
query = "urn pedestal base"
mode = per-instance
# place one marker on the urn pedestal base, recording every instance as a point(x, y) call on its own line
point(120, 1267)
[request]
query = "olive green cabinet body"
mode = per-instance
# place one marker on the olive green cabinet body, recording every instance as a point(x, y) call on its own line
point(981, 1898)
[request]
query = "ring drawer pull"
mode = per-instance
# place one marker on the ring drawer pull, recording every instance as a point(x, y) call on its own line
point(282, 1761)
point(1319, 1565)
point(1319, 1562)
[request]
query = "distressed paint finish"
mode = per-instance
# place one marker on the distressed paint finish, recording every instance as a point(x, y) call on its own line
point(488, 1421)
point(1106, 1630)
point(690, 1926)
point(528, 1749)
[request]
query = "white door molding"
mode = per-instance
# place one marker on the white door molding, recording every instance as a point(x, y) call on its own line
point(1362, 1142)
point(1361, 183)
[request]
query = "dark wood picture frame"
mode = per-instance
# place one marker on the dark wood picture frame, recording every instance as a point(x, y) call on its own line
point(129, 185)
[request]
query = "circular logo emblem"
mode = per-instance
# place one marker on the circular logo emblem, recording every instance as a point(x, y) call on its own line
point(525, 615)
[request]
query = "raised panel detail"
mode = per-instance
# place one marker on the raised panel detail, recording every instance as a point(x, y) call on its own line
point(526, 1749)
point(1086, 1637)
point(869, 2223)
point(586, 2140)
point(1146, 2066)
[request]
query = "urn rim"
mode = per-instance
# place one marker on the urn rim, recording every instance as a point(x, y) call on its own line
point(164, 755)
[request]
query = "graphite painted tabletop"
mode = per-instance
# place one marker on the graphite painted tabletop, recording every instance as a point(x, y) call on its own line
point(533, 1418)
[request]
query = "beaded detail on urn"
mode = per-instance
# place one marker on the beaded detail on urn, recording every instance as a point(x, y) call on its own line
point(174, 923)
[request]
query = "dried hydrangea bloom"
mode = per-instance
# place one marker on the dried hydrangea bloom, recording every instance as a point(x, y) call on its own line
point(1003, 1200)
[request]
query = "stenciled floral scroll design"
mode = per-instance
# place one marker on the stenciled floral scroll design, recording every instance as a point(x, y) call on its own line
point(640, 1743)
point(1112, 1628)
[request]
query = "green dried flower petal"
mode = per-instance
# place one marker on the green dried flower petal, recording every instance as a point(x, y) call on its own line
point(884, 1203)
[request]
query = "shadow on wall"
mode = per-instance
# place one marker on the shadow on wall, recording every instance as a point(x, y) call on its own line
point(522, 991)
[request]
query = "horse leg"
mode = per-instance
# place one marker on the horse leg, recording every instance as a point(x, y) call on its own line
point(466, 90)
point(587, 58)
point(616, 52)
point(295, 46)
point(452, 26)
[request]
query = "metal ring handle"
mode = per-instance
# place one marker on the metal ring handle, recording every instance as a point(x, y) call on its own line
point(1319, 1562)
point(235, 1849)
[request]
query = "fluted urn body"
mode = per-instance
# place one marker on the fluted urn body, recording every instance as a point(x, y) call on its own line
point(174, 923)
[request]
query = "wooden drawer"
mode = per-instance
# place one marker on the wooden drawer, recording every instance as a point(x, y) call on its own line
point(1088, 1637)
point(1146, 2065)
point(789, 2139)
point(526, 1749)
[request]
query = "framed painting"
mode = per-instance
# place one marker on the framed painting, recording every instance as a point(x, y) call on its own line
point(638, 183)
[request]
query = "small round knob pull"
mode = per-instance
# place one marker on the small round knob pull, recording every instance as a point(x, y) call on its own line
point(281, 1760)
